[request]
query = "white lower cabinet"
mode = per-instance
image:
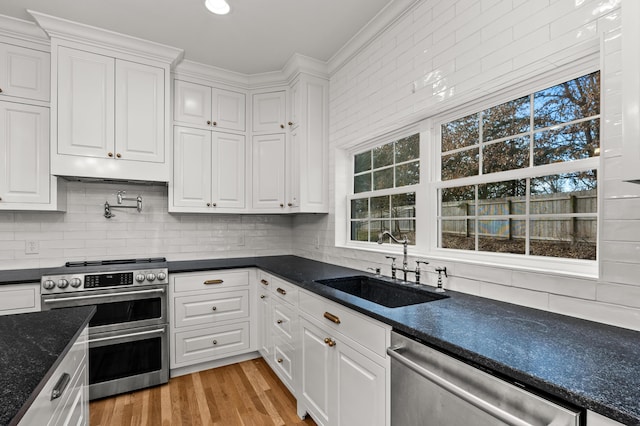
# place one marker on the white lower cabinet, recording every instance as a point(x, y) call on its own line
point(64, 399)
point(595, 419)
point(342, 382)
point(19, 298)
point(210, 316)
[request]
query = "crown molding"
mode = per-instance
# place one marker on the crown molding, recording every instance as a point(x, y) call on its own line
point(391, 13)
point(24, 31)
point(86, 34)
point(208, 73)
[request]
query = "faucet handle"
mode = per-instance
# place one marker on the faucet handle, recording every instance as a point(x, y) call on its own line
point(442, 269)
point(418, 262)
point(377, 271)
point(393, 259)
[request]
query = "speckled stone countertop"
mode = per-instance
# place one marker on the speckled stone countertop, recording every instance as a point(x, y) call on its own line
point(588, 364)
point(31, 347)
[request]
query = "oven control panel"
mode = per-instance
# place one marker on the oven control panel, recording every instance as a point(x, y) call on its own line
point(94, 281)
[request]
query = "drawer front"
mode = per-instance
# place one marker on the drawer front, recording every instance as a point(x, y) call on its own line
point(282, 289)
point(75, 408)
point(211, 343)
point(212, 280)
point(365, 331)
point(211, 308)
point(19, 298)
point(284, 320)
point(283, 360)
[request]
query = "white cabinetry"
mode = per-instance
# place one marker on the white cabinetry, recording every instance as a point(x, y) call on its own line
point(19, 298)
point(110, 103)
point(269, 173)
point(269, 112)
point(210, 316)
point(279, 343)
point(208, 107)
point(69, 404)
point(595, 419)
point(24, 73)
point(631, 90)
point(209, 171)
point(345, 371)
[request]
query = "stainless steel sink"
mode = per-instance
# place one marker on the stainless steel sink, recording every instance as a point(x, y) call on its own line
point(385, 293)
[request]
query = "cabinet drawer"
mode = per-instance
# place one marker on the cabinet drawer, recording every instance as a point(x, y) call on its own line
point(212, 280)
point(74, 410)
point(211, 308)
point(283, 360)
point(19, 298)
point(282, 289)
point(284, 320)
point(365, 331)
point(211, 343)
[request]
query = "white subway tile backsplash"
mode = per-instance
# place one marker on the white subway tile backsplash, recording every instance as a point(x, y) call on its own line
point(607, 313)
point(520, 296)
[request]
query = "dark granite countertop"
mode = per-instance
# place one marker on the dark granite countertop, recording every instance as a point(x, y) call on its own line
point(592, 365)
point(31, 348)
point(589, 364)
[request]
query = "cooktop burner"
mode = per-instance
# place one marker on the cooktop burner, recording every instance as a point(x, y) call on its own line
point(115, 262)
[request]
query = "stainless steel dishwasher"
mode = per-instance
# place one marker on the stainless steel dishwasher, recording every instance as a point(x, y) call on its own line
point(430, 388)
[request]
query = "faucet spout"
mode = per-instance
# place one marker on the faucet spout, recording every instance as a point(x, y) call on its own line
point(404, 242)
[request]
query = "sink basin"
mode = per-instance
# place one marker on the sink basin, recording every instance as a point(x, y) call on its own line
point(385, 293)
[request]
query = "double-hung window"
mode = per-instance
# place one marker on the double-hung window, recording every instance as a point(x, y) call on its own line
point(383, 196)
point(522, 177)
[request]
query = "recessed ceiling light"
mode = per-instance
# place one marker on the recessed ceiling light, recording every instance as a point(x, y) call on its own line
point(219, 7)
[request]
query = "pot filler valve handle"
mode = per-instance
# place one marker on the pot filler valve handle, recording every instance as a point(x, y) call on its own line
point(440, 270)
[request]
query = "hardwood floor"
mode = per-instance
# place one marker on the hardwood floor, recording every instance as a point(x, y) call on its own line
point(243, 394)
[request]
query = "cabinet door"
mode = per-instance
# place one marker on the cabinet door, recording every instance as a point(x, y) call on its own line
point(294, 105)
point(228, 109)
point(192, 103)
point(228, 170)
point(268, 171)
point(264, 323)
point(191, 167)
point(318, 375)
point(269, 111)
point(24, 73)
point(139, 112)
point(85, 103)
point(360, 394)
point(24, 154)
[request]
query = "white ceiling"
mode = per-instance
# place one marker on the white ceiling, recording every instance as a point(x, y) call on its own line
point(257, 36)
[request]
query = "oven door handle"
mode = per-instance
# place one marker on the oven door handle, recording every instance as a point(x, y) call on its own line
point(101, 296)
point(123, 336)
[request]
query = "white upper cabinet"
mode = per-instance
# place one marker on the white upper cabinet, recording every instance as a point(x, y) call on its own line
point(24, 73)
point(269, 112)
point(85, 104)
point(209, 107)
point(110, 103)
point(631, 91)
point(209, 171)
point(24, 155)
point(269, 172)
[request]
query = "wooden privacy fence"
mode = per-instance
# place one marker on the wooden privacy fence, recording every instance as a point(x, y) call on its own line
point(458, 217)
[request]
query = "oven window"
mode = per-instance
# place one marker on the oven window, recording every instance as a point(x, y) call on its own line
point(128, 311)
point(113, 362)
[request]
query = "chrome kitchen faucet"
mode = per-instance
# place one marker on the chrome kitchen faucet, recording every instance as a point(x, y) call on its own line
point(405, 266)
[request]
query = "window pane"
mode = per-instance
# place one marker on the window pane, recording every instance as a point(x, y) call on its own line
point(457, 234)
point(362, 162)
point(565, 193)
point(507, 119)
point(380, 207)
point(404, 228)
point(408, 148)
point(362, 183)
point(403, 205)
point(460, 133)
point(408, 174)
point(497, 236)
point(383, 156)
point(502, 198)
point(359, 231)
point(575, 99)
point(377, 227)
point(459, 201)
point(460, 164)
point(572, 142)
point(571, 237)
point(360, 208)
point(508, 155)
point(383, 179)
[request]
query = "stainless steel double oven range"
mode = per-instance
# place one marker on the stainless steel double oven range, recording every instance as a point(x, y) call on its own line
point(128, 335)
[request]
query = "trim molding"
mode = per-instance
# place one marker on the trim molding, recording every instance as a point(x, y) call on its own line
point(24, 31)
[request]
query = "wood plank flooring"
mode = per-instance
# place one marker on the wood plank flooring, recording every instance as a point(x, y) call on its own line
point(244, 394)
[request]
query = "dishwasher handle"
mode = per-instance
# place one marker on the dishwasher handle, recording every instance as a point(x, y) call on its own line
point(456, 390)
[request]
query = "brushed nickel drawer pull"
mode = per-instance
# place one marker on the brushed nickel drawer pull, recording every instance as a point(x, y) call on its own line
point(207, 282)
point(265, 282)
point(60, 386)
point(332, 317)
point(281, 291)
